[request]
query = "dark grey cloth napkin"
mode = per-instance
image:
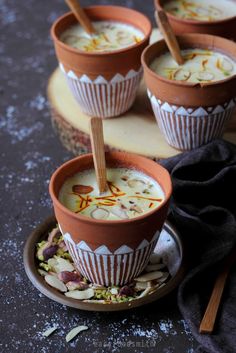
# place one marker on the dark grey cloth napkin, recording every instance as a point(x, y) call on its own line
point(204, 210)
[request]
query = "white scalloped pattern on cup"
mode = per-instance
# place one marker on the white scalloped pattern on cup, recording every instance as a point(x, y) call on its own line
point(186, 128)
point(102, 98)
point(101, 266)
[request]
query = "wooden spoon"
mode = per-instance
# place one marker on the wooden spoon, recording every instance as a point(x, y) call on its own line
point(208, 321)
point(169, 36)
point(97, 142)
point(81, 16)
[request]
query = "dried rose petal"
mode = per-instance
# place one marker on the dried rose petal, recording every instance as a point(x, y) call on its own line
point(49, 252)
point(67, 276)
point(127, 291)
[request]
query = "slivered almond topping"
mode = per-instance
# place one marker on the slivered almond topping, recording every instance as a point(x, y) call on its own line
point(82, 189)
point(205, 76)
point(99, 213)
point(181, 75)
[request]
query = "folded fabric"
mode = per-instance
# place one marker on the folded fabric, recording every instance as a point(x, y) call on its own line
point(203, 208)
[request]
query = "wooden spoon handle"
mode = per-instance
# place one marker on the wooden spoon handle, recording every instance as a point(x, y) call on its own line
point(169, 36)
point(97, 142)
point(81, 16)
point(208, 321)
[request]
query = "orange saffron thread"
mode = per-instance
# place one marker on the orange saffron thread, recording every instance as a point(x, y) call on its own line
point(105, 204)
point(146, 198)
point(105, 198)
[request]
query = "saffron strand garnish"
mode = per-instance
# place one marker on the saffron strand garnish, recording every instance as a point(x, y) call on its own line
point(146, 198)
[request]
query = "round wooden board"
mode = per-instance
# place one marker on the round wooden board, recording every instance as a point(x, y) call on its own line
point(173, 244)
point(135, 131)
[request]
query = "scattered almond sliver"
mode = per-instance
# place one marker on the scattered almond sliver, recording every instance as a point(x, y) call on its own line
point(49, 331)
point(74, 332)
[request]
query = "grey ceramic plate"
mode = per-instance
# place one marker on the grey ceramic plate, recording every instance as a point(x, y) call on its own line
point(169, 246)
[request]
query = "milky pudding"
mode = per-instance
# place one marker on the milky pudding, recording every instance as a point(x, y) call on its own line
point(109, 36)
point(201, 10)
point(129, 194)
point(200, 66)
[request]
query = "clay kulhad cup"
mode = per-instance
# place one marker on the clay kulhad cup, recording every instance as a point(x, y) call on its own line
point(223, 28)
point(103, 83)
point(104, 251)
point(190, 114)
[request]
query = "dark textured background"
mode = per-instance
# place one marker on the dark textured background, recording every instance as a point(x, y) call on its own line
point(30, 152)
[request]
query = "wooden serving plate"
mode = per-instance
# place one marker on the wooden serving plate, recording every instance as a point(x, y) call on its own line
point(174, 254)
point(135, 131)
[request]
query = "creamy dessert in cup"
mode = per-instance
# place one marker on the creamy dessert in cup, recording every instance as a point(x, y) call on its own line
point(111, 250)
point(201, 16)
point(200, 65)
point(109, 36)
point(201, 10)
point(193, 102)
point(129, 194)
point(103, 71)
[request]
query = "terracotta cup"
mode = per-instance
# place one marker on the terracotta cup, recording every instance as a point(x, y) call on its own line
point(111, 252)
point(104, 84)
point(190, 114)
point(223, 28)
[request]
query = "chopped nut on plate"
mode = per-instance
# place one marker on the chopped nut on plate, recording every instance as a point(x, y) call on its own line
point(60, 273)
point(55, 283)
point(81, 294)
